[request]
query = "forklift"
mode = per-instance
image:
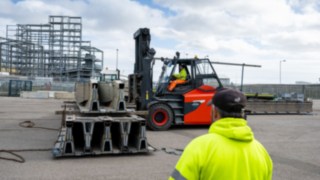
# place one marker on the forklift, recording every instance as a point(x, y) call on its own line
point(187, 103)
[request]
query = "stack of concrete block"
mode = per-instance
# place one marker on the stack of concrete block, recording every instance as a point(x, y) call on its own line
point(47, 95)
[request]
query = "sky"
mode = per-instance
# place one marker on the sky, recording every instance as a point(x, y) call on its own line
point(257, 32)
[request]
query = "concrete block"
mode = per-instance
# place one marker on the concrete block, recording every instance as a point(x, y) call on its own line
point(64, 95)
point(51, 94)
point(34, 94)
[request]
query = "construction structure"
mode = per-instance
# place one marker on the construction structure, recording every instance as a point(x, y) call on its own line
point(55, 49)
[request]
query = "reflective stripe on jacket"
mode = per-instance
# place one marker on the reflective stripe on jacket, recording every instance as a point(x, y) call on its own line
point(228, 151)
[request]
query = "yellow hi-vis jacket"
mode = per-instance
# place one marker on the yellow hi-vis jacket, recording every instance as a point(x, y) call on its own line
point(182, 74)
point(228, 152)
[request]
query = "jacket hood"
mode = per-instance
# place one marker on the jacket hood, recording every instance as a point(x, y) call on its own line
point(232, 128)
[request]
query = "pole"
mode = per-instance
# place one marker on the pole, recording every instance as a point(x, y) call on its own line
point(117, 60)
point(242, 77)
point(280, 70)
point(280, 73)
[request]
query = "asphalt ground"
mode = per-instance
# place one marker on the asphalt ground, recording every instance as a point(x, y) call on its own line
point(293, 142)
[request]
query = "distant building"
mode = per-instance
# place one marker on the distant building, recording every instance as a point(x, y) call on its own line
point(302, 82)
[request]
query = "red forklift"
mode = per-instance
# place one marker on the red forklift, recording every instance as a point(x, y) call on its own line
point(187, 103)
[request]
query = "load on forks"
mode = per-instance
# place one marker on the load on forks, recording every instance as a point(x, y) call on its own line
point(98, 122)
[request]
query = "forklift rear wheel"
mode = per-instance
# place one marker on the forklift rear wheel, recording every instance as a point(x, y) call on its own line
point(160, 117)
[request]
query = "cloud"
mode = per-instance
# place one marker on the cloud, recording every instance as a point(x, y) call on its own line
point(254, 31)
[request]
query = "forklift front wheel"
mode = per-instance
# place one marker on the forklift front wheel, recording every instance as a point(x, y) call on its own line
point(160, 117)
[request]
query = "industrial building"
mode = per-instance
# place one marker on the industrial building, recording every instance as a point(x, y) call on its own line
point(55, 49)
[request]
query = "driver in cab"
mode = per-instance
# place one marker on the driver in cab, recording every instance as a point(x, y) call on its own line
point(179, 78)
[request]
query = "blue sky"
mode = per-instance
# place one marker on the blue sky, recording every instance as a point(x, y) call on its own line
point(167, 12)
point(253, 31)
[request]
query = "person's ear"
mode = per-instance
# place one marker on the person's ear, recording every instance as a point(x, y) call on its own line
point(216, 114)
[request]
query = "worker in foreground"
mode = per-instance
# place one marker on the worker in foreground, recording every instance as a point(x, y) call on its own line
point(229, 151)
point(179, 78)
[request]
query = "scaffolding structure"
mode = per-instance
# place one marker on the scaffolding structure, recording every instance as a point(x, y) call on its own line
point(49, 50)
point(21, 57)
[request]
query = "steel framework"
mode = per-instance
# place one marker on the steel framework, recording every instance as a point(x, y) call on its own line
point(49, 50)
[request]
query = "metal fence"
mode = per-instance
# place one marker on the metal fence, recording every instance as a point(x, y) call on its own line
point(38, 84)
point(309, 90)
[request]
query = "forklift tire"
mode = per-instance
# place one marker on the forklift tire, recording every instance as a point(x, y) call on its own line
point(160, 117)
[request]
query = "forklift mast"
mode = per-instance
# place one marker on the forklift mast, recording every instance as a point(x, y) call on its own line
point(140, 83)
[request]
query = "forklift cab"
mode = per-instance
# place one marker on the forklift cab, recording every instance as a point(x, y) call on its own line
point(199, 72)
